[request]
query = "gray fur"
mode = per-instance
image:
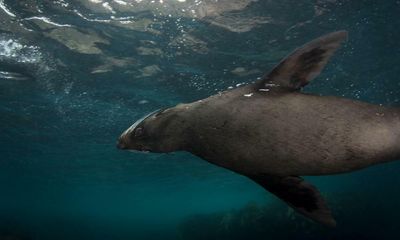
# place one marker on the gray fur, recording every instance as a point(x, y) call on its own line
point(271, 132)
point(290, 133)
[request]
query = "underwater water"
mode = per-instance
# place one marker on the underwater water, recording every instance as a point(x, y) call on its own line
point(75, 73)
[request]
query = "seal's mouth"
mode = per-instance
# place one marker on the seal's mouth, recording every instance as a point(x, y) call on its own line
point(138, 151)
point(123, 146)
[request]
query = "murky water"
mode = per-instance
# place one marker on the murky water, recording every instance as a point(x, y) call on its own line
point(75, 73)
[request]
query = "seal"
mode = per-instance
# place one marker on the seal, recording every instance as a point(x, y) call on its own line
point(273, 133)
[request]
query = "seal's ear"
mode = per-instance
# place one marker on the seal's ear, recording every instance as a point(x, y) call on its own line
point(304, 64)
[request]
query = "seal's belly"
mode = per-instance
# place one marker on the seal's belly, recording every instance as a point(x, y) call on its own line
point(287, 152)
point(287, 161)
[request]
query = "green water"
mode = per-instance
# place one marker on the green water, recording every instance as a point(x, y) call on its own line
point(75, 73)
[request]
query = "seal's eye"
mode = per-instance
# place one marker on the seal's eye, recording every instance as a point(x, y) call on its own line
point(138, 132)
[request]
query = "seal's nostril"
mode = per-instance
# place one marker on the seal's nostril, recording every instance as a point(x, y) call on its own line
point(121, 145)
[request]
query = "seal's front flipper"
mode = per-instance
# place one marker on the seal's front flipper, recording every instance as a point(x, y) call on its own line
point(302, 65)
point(299, 194)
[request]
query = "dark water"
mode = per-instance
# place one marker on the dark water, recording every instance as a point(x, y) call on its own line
point(75, 73)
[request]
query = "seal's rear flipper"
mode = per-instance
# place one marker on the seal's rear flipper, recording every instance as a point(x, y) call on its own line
point(299, 194)
point(302, 65)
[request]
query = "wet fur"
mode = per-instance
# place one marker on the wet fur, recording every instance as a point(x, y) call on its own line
point(271, 132)
point(290, 133)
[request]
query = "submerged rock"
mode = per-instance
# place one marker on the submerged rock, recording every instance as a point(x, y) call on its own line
point(214, 12)
point(111, 63)
point(242, 72)
point(149, 71)
point(237, 23)
point(189, 43)
point(141, 25)
point(78, 41)
point(149, 51)
point(180, 8)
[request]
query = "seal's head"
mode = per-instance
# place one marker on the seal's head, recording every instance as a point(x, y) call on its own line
point(155, 132)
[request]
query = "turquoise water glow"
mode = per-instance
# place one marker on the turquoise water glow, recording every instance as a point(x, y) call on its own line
point(75, 73)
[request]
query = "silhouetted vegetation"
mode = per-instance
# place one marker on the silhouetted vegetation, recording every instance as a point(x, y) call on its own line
point(277, 221)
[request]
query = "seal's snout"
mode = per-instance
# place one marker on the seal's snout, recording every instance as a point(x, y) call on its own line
point(121, 143)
